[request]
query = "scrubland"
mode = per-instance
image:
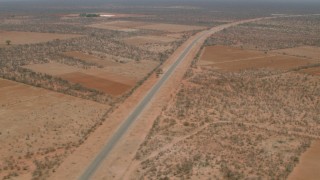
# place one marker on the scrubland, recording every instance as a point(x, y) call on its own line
point(61, 76)
point(241, 111)
point(247, 108)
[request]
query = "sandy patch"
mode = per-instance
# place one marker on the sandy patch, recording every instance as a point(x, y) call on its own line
point(37, 123)
point(31, 37)
point(113, 80)
point(309, 166)
point(172, 27)
point(313, 71)
point(90, 58)
point(101, 84)
point(52, 68)
point(235, 59)
point(311, 52)
point(134, 25)
point(127, 26)
point(142, 40)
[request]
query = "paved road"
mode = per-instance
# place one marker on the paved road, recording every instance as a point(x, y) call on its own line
point(135, 113)
point(94, 165)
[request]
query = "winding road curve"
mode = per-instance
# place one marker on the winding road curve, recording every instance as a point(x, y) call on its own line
point(122, 130)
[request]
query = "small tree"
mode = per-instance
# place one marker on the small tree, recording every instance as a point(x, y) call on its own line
point(159, 72)
point(8, 42)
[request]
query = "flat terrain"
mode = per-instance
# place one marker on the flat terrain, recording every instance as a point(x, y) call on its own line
point(114, 80)
point(129, 26)
point(236, 59)
point(117, 162)
point(126, 26)
point(141, 40)
point(17, 37)
point(312, 70)
point(308, 167)
point(244, 103)
point(242, 111)
point(39, 127)
point(172, 27)
point(101, 84)
point(311, 52)
point(247, 124)
point(90, 58)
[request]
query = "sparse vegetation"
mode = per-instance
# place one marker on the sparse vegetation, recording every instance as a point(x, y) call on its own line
point(8, 42)
point(250, 123)
point(60, 73)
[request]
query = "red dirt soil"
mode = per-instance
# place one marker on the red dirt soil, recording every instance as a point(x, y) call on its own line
point(31, 37)
point(224, 53)
point(309, 166)
point(235, 59)
point(104, 85)
point(90, 58)
point(312, 71)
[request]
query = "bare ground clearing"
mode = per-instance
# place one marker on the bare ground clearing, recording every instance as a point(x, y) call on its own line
point(172, 27)
point(141, 40)
point(90, 58)
point(308, 167)
point(39, 127)
point(31, 37)
point(123, 76)
point(224, 53)
point(103, 85)
point(235, 59)
point(312, 70)
point(134, 25)
point(311, 52)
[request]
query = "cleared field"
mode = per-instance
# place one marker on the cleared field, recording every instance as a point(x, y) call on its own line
point(90, 58)
point(304, 51)
point(172, 27)
point(104, 85)
point(52, 68)
point(313, 71)
point(308, 167)
point(93, 78)
point(38, 127)
point(234, 59)
point(134, 25)
point(223, 53)
point(113, 80)
point(5, 83)
point(142, 40)
point(31, 37)
point(127, 26)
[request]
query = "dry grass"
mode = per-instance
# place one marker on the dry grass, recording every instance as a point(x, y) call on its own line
point(131, 26)
point(172, 27)
point(39, 127)
point(242, 112)
point(310, 52)
point(250, 124)
point(17, 38)
point(89, 58)
point(141, 40)
point(272, 34)
point(236, 59)
point(101, 84)
point(114, 80)
point(308, 167)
